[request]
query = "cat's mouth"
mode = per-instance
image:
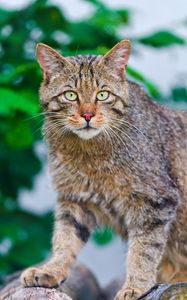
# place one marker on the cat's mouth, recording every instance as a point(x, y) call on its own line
point(87, 132)
point(88, 127)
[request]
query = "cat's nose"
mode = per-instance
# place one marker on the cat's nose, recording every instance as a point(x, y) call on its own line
point(87, 116)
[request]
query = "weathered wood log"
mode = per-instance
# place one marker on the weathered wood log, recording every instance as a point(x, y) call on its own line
point(167, 291)
point(176, 291)
point(82, 285)
point(34, 294)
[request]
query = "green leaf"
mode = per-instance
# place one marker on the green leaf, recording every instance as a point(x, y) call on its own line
point(20, 136)
point(179, 93)
point(23, 101)
point(24, 250)
point(103, 236)
point(14, 73)
point(4, 16)
point(162, 39)
point(12, 231)
point(17, 170)
point(4, 267)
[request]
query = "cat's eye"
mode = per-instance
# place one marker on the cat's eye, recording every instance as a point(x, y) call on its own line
point(102, 96)
point(70, 95)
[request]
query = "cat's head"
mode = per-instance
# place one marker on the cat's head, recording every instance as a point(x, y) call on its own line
point(84, 94)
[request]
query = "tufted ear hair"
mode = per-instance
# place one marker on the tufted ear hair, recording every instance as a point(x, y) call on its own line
point(50, 61)
point(117, 58)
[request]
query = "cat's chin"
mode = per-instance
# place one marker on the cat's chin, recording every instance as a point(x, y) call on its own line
point(87, 134)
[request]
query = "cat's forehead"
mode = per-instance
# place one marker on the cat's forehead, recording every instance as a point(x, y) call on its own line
point(86, 75)
point(85, 60)
point(86, 72)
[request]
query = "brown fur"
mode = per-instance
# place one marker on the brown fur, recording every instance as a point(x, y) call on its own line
point(130, 172)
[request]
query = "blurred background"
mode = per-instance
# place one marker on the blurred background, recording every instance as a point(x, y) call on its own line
point(158, 31)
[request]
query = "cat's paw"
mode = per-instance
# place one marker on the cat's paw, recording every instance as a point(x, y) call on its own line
point(39, 277)
point(129, 294)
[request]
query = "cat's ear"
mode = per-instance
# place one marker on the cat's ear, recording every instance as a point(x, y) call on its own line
point(117, 58)
point(50, 61)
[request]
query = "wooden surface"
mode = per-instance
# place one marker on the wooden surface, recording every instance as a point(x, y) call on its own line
point(82, 285)
point(34, 294)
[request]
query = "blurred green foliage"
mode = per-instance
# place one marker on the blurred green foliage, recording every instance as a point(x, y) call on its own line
point(25, 237)
point(103, 236)
point(162, 39)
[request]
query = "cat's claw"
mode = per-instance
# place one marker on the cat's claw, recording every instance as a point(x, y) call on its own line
point(38, 277)
point(129, 294)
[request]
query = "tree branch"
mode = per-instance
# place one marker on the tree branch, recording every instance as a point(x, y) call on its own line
point(82, 285)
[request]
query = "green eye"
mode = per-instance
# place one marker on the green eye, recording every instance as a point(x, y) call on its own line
point(102, 96)
point(71, 96)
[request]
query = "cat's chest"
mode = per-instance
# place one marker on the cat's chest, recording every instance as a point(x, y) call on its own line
point(90, 179)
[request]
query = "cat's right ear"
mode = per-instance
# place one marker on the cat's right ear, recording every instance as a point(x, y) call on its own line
point(117, 58)
point(50, 61)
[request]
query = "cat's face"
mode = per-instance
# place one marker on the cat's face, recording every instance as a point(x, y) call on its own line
point(84, 94)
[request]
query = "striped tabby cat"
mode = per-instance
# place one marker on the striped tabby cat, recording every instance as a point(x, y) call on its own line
point(117, 158)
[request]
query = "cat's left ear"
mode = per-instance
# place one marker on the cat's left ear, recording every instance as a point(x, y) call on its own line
point(117, 58)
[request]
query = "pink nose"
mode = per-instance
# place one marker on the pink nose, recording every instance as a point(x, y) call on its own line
point(87, 116)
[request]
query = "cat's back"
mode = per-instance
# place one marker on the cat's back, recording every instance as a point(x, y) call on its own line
point(152, 110)
point(170, 131)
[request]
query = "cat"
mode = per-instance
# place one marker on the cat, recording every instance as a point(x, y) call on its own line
point(117, 158)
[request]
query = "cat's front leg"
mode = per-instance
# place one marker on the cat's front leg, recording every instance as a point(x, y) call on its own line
point(73, 224)
point(145, 251)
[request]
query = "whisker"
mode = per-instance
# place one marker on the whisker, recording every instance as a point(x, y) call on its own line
point(108, 137)
point(130, 126)
point(115, 127)
point(57, 130)
point(119, 138)
point(131, 166)
point(54, 124)
point(46, 114)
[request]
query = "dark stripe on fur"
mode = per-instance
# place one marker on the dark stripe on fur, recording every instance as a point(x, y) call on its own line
point(76, 81)
point(91, 72)
point(81, 230)
point(73, 256)
point(163, 203)
point(89, 214)
point(155, 223)
point(97, 82)
point(80, 70)
point(147, 257)
point(117, 111)
point(92, 60)
point(158, 246)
